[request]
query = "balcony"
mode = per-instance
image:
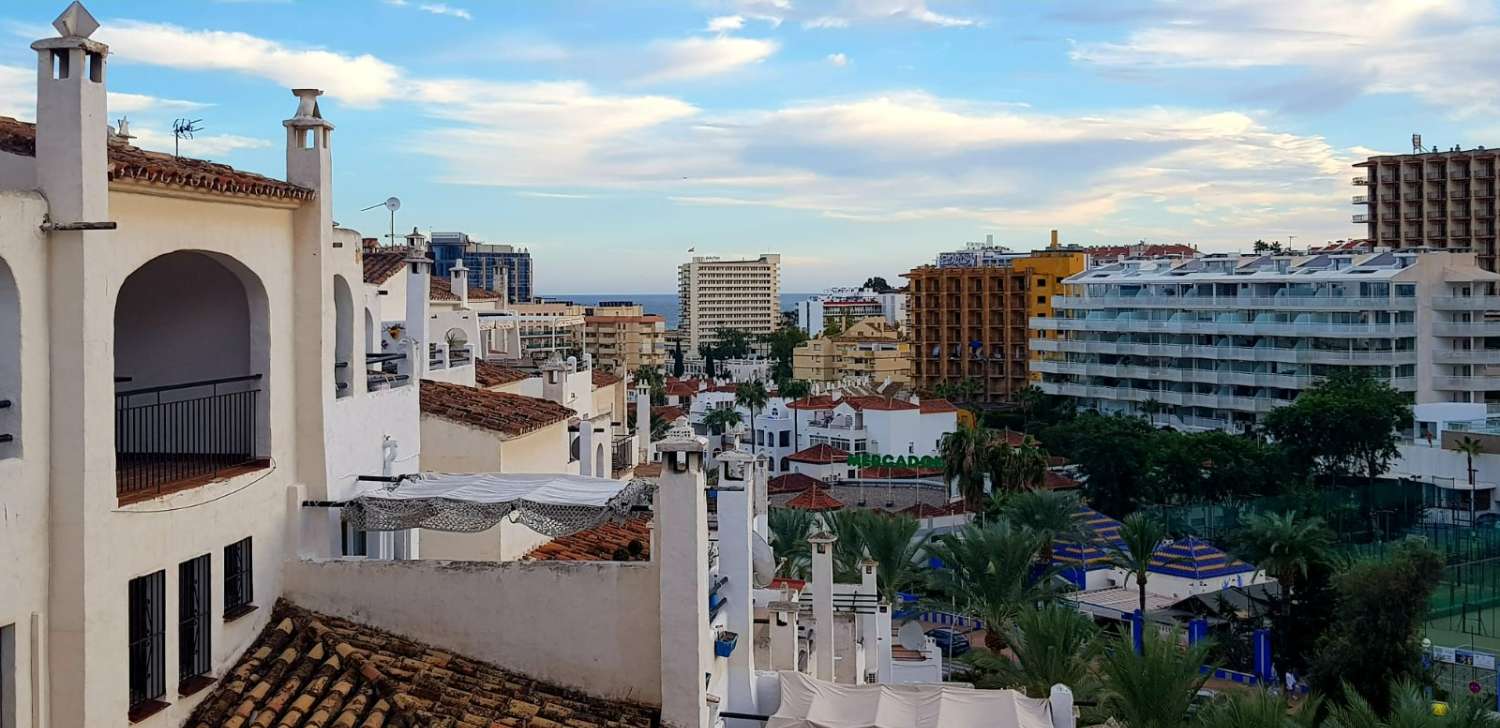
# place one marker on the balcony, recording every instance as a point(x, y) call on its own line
point(1466, 303)
point(1291, 355)
point(1475, 383)
point(1467, 328)
point(1361, 218)
point(383, 371)
point(1360, 199)
point(178, 436)
point(1228, 303)
point(1361, 181)
point(622, 455)
point(1244, 328)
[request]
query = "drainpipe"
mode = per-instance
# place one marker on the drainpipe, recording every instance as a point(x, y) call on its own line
point(680, 548)
point(822, 563)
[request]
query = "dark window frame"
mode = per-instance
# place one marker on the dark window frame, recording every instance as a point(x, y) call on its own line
point(194, 619)
point(239, 579)
point(147, 640)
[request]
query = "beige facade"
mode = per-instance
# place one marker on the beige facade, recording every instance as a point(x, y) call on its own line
point(715, 293)
point(871, 350)
point(1436, 200)
point(623, 337)
point(548, 327)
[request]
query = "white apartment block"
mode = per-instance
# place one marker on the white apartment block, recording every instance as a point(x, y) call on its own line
point(1220, 341)
point(715, 293)
point(847, 306)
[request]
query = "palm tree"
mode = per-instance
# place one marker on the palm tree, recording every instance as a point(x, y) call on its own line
point(1019, 467)
point(1410, 708)
point(789, 529)
point(1053, 514)
point(1256, 709)
point(848, 526)
point(1470, 447)
point(1286, 547)
point(719, 420)
point(1152, 408)
point(988, 572)
point(793, 390)
point(1155, 687)
point(891, 540)
point(1143, 538)
point(966, 458)
point(1054, 645)
point(652, 377)
point(752, 396)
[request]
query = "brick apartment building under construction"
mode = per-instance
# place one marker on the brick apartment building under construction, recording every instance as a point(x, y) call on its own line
point(969, 312)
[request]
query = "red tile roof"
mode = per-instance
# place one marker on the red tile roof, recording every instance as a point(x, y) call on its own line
point(730, 388)
point(877, 402)
point(128, 163)
point(488, 374)
point(1053, 480)
point(814, 402)
point(629, 540)
point(602, 378)
point(309, 670)
point(789, 583)
point(668, 412)
point(815, 499)
point(792, 483)
point(924, 510)
point(648, 470)
point(382, 263)
point(899, 473)
point(937, 405)
point(820, 454)
point(503, 412)
point(682, 387)
point(440, 288)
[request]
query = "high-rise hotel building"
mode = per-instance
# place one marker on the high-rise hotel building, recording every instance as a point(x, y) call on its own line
point(1217, 342)
point(715, 293)
point(1436, 200)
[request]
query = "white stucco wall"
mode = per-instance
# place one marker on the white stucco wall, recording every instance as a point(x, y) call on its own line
point(589, 626)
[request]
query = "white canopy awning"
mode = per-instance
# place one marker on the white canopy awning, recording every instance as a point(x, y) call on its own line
point(810, 703)
point(550, 504)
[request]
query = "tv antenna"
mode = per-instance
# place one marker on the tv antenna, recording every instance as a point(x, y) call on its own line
point(184, 129)
point(1416, 144)
point(393, 204)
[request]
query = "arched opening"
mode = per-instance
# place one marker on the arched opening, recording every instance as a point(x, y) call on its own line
point(599, 470)
point(192, 372)
point(343, 338)
point(10, 364)
point(786, 464)
point(457, 341)
point(372, 334)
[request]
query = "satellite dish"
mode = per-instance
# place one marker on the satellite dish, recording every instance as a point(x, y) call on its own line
point(393, 204)
point(762, 561)
point(912, 637)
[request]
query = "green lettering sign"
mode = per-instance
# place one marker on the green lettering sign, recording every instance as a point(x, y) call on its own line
point(872, 460)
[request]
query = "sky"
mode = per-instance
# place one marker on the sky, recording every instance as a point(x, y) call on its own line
point(854, 137)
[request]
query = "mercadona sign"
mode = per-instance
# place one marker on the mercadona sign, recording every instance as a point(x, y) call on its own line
point(872, 460)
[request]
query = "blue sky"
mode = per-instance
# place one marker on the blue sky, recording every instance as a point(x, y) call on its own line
point(855, 137)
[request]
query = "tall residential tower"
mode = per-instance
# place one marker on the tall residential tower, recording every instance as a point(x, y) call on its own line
point(715, 293)
point(1437, 200)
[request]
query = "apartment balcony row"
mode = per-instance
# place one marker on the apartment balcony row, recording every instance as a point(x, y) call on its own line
point(1278, 303)
point(1291, 355)
point(1179, 374)
point(1240, 328)
point(1467, 356)
point(1467, 383)
point(1467, 328)
point(1466, 303)
point(1258, 404)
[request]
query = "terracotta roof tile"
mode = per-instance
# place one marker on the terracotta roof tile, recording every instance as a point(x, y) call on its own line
point(308, 670)
point(626, 541)
point(682, 387)
point(440, 288)
point(900, 473)
point(820, 454)
point(488, 374)
point(937, 405)
point(511, 414)
point(729, 388)
point(815, 499)
point(791, 483)
point(648, 470)
point(1053, 480)
point(877, 402)
point(815, 402)
point(924, 510)
point(135, 164)
point(602, 378)
point(668, 412)
point(382, 263)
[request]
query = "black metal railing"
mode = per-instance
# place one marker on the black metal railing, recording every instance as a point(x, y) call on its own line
point(622, 454)
point(180, 432)
point(382, 371)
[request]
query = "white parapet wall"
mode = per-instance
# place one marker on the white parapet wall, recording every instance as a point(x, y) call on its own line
point(590, 626)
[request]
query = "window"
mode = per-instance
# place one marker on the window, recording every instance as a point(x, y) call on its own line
point(239, 580)
point(194, 639)
point(1041, 299)
point(354, 541)
point(786, 438)
point(148, 644)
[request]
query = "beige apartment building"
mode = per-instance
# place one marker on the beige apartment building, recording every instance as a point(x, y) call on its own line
point(871, 348)
point(549, 327)
point(715, 293)
point(1435, 200)
point(623, 337)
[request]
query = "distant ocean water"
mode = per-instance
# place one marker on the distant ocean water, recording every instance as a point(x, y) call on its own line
point(662, 304)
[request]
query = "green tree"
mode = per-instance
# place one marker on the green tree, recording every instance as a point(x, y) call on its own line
point(1053, 645)
point(1256, 709)
point(659, 427)
point(793, 390)
point(966, 460)
point(653, 378)
point(753, 397)
point(1345, 425)
point(877, 284)
point(719, 420)
point(1017, 467)
point(1287, 548)
point(1143, 538)
point(1155, 687)
point(961, 390)
point(730, 343)
point(1052, 514)
point(891, 540)
point(1113, 451)
point(1409, 708)
point(789, 529)
point(1469, 447)
point(1152, 408)
point(987, 572)
point(783, 344)
point(1381, 606)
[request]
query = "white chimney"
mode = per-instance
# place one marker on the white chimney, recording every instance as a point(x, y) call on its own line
point(736, 526)
point(418, 288)
point(585, 445)
point(643, 421)
point(822, 585)
point(680, 548)
point(458, 282)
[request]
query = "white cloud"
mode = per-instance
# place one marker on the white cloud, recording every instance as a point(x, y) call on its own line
point(838, 59)
point(361, 80)
point(726, 23)
point(1441, 51)
point(445, 9)
point(694, 58)
point(203, 146)
point(17, 92)
point(121, 102)
point(843, 13)
point(826, 21)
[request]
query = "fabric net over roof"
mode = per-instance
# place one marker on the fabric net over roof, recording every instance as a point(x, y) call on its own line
point(550, 504)
point(811, 703)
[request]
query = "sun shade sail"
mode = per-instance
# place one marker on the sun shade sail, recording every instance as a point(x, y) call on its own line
point(550, 504)
point(810, 703)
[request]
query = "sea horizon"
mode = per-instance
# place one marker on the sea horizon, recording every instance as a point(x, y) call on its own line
point(661, 304)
